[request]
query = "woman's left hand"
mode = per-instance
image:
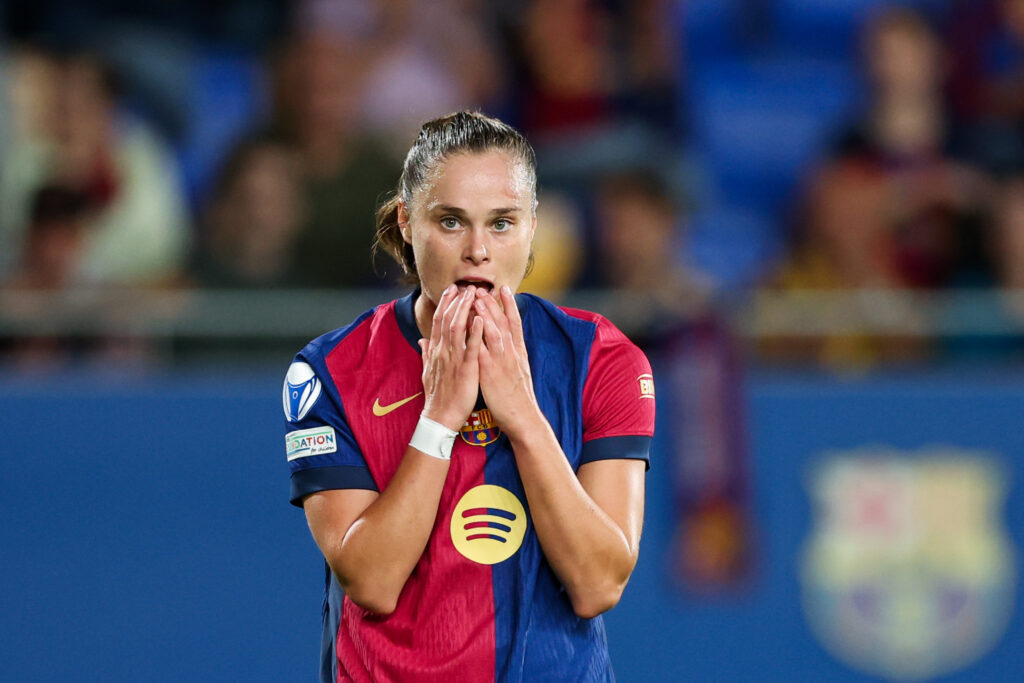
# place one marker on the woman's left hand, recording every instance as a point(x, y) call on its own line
point(505, 379)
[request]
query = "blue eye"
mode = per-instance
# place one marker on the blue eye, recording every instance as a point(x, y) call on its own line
point(449, 223)
point(502, 224)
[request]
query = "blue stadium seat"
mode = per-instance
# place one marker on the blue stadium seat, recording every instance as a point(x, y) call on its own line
point(732, 246)
point(710, 30)
point(227, 99)
point(830, 28)
point(760, 124)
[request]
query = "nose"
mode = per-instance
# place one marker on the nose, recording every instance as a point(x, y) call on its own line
point(476, 248)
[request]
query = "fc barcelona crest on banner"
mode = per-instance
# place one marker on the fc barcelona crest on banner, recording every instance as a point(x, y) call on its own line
point(908, 572)
point(480, 429)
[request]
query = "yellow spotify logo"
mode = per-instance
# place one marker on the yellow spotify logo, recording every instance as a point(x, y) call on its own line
point(488, 524)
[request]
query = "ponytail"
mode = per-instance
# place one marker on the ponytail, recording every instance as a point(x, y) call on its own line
point(389, 239)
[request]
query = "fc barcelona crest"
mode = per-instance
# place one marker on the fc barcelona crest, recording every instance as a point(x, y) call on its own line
point(909, 571)
point(480, 429)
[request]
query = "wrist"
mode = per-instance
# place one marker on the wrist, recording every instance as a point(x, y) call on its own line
point(523, 427)
point(449, 422)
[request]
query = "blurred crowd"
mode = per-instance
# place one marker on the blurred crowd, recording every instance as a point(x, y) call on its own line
point(246, 146)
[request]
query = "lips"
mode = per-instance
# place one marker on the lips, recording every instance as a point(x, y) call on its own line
point(481, 283)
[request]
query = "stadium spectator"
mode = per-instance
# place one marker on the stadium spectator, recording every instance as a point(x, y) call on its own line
point(252, 221)
point(410, 81)
point(639, 237)
point(892, 208)
point(318, 90)
point(987, 85)
point(35, 297)
point(1008, 247)
point(558, 249)
point(594, 86)
point(54, 240)
point(69, 129)
point(669, 308)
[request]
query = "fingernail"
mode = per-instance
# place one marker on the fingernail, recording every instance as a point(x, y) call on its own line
point(505, 289)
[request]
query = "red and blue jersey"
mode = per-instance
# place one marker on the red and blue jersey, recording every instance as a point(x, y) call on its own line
point(482, 604)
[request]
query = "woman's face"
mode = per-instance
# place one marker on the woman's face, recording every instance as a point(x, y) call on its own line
point(471, 223)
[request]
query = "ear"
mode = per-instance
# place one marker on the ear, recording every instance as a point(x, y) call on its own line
point(403, 222)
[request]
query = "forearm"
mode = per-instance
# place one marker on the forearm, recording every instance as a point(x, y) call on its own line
point(588, 550)
point(378, 552)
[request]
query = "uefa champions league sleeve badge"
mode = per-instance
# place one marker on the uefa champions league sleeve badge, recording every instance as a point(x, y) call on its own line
point(301, 390)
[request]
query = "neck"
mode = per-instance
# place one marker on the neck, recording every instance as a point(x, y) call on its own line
point(424, 310)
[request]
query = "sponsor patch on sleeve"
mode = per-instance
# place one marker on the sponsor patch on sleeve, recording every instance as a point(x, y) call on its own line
point(306, 442)
point(646, 383)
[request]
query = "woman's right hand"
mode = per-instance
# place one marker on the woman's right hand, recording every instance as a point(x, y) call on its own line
point(451, 371)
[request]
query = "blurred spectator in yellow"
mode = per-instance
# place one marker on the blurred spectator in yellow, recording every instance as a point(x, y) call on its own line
point(558, 249)
point(892, 208)
point(319, 81)
point(67, 128)
point(251, 222)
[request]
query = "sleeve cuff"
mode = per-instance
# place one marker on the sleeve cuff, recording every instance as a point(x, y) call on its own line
point(617, 447)
point(305, 482)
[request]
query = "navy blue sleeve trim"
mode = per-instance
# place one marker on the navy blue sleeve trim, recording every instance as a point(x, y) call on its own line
point(305, 482)
point(616, 448)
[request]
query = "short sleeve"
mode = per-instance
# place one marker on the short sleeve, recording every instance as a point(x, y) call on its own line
point(618, 399)
point(321, 450)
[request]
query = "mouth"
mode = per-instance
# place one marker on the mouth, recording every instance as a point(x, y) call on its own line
point(479, 284)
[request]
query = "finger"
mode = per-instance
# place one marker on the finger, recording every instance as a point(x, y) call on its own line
point(493, 310)
point(493, 337)
point(448, 315)
point(508, 300)
point(475, 340)
point(501, 323)
point(442, 306)
point(457, 329)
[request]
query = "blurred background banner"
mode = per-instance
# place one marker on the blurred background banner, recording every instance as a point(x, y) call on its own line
point(147, 536)
point(810, 214)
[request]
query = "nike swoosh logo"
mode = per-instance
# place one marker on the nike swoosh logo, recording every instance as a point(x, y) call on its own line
point(381, 411)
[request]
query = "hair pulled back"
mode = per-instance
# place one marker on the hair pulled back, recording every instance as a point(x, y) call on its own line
point(438, 140)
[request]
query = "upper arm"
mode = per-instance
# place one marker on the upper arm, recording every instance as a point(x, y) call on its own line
point(618, 426)
point(617, 487)
point(331, 513)
point(322, 450)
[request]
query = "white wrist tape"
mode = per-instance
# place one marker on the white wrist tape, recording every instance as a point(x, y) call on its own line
point(433, 438)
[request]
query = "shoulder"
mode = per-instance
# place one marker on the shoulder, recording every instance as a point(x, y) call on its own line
point(607, 337)
point(375, 331)
point(351, 334)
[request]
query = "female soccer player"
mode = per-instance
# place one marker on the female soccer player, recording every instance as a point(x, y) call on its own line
point(470, 460)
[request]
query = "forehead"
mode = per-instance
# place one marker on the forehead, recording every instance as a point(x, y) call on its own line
point(470, 179)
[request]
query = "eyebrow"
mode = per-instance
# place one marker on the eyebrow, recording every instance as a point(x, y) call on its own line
point(444, 208)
